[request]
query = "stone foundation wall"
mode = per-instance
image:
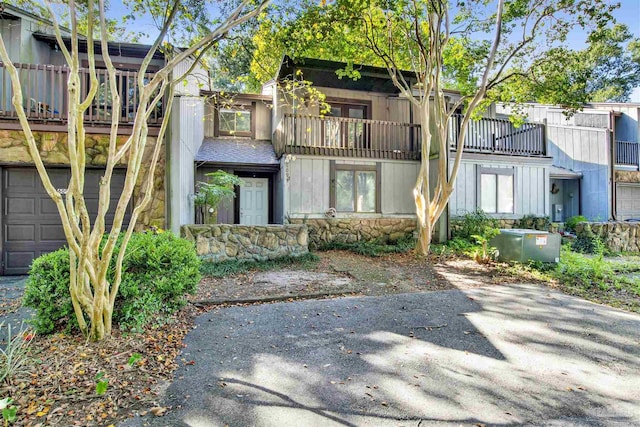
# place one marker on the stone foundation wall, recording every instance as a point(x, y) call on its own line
point(534, 223)
point(348, 230)
point(54, 151)
point(616, 235)
point(220, 242)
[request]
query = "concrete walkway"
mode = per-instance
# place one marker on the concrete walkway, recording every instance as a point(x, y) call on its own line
point(503, 355)
point(11, 289)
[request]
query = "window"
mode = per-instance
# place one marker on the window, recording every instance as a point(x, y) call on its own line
point(496, 190)
point(235, 121)
point(355, 188)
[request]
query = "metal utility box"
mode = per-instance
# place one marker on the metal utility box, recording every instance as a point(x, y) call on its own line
point(524, 245)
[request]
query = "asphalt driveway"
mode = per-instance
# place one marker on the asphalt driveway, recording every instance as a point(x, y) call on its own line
point(499, 355)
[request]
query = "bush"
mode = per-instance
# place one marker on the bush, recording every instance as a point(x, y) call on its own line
point(158, 269)
point(589, 243)
point(570, 223)
point(474, 224)
point(47, 292)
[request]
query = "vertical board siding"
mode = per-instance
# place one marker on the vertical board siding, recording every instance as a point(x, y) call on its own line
point(585, 150)
point(307, 190)
point(529, 188)
point(308, 186)
point(398, 180)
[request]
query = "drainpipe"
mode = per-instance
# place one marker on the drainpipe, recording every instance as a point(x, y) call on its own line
point(612, 136)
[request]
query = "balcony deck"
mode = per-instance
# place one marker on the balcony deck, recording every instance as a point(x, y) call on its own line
point(44, 89)
point(346, 137)
point(628, 153)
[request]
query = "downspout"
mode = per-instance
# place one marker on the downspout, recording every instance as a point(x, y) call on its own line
point(612, 149)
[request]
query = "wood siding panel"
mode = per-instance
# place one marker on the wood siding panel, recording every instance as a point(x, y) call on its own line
point(398, 180)
point(529, 188)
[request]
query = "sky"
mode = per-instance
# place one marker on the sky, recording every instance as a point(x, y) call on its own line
point(628, 13)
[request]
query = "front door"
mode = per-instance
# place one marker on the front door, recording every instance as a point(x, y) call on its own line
point(254, 201)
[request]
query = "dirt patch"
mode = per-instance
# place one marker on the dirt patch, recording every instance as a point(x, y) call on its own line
point(340, 272)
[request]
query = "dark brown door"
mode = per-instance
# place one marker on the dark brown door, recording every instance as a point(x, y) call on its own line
point(30, 221)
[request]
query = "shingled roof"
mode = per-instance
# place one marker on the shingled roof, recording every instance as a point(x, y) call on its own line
point(237, 150)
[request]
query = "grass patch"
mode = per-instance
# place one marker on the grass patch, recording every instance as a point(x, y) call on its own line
point(591, 277)
point(372, 249)
point(227, 268)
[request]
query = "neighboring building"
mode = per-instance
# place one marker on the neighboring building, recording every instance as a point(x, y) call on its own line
point(30, 221)
point(595, 160)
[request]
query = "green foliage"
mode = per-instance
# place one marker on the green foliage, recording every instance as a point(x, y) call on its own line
point(13, 356)
point(219, 188)
point(372, 248)
point(534, 222)
point(47, 291)
point(571, 223)
point(101, 384)
point(134, 359)
point(9, 411)
point(585, 272)
point(589, 243)
point(157, 270)
point(486, 254)
point(475, 223)
point(227, 268)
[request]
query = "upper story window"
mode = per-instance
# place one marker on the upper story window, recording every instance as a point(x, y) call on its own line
point(235, 121)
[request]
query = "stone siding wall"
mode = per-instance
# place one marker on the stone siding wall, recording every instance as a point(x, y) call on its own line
point(348, 230)
point(220, 242)
point(54, 151)
point(616, 235)
point(628, 176)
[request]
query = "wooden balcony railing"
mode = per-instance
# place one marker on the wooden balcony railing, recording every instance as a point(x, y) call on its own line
point(500, 136)
point(44, 89)
point(338, 136)
point(627, 153)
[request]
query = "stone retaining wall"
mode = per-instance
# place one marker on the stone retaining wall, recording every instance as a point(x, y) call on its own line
point(349, 230)
point(616, 235)
point(220, 242)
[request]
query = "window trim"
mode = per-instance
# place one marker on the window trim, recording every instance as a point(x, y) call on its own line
point(495, 171)
point(251, 108)
point(377, 168)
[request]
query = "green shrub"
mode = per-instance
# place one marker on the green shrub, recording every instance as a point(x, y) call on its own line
point(47, 292)
point(585, 272)
point(589, 243)
point(570, 223)
point(474, 224)
point(157, 270)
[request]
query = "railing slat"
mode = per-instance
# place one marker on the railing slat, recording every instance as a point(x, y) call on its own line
point(45, 96)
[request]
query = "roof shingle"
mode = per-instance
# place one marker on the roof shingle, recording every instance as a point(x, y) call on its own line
point(237, 150)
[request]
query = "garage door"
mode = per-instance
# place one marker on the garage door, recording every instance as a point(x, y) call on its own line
point(628, 201)
point(30, 221)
